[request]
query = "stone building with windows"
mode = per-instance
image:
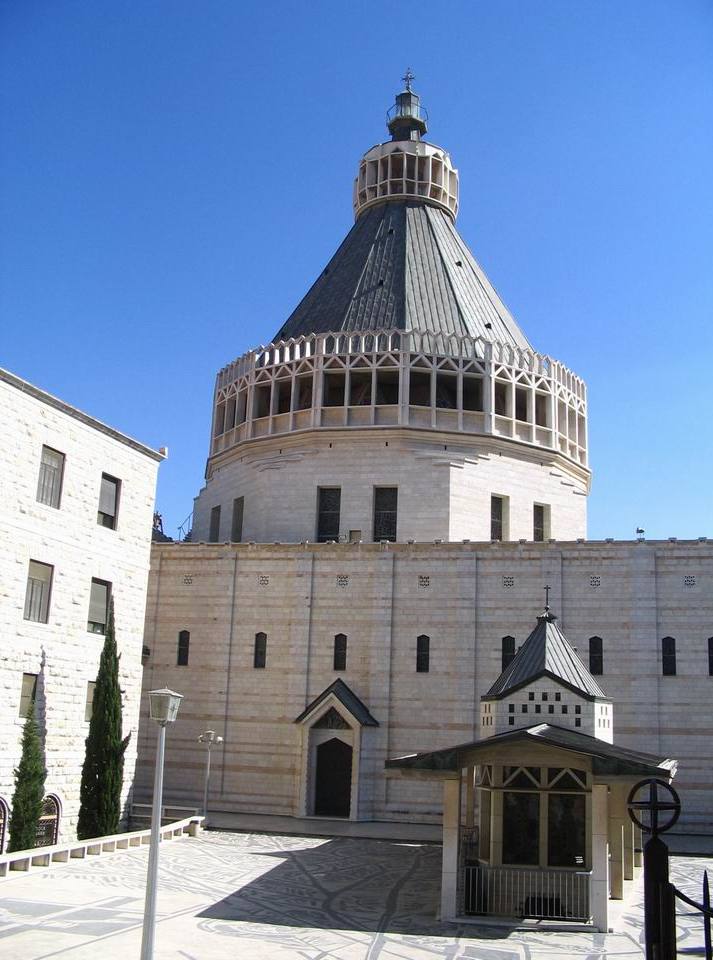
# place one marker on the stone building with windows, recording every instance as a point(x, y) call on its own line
point(75, 529)
point(391, 482)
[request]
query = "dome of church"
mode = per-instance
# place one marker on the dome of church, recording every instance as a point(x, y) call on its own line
point(402, 370)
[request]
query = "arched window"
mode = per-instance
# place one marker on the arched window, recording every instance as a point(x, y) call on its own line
point(710, 656)
point(4, 819)
point(596, 656)
point(507, 654)
point(340, 651)
point(423, 645)
point(260, 651)
point(668, 656)
point(48, 826)
point(184, 640)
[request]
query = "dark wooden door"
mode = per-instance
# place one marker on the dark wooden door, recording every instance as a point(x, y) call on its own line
point(333, 781)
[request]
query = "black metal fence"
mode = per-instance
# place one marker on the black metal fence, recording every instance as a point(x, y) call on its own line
point(703, 908)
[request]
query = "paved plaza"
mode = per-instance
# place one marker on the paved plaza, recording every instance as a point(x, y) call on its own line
point(229, 896)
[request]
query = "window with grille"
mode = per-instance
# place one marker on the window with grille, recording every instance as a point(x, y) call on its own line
point(89, 702)
point(668, 656)
point(260, 651)
point(507, 654)
point(385, 508)
point(497, 518)
point(340, 652)
point(184, 642)
point(214, 532)
point(710, 656)
point(37, 592)
point(596, 656)
point(28, 693)
point(98, 606)
point(108, 501)
point(329, 500)
point(423, 654)
point(236, 528)
point(49, 484)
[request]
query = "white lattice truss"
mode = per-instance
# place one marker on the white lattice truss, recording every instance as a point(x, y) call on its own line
point(401, 378)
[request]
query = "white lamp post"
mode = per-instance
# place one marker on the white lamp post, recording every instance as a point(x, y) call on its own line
point(208, 738)
point(163, 708)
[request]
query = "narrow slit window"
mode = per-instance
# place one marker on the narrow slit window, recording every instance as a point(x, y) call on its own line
point(710, 656)
point(668, 656)
point(28, 693)
point(260, 651)
point(214, 532)
point(98, 606)
point(329, 501)
point(340, 652)
point(37, 592)
point(507, 652)
point(385, 513)
point(540, 522)
point(89, 702)
point(497, 518)
point(108, 501)
point(49, 483)
point(596, 656)
point(423, 654)
point(184, 642)
point(236, 527)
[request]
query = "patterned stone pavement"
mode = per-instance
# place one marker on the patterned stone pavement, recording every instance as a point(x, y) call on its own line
point(230, 895)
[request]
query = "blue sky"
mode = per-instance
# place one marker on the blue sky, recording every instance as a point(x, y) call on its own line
point(174, 175)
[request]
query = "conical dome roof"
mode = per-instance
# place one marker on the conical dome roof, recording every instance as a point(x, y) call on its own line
point(403, 265)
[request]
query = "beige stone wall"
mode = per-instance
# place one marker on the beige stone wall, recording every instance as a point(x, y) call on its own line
point(62, 652)
point(630, 594)
point(444, 483)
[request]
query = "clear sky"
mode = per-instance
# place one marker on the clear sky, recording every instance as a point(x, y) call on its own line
point(174, 175)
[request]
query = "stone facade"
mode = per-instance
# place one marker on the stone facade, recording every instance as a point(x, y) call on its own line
point(465, 598)
point(61, 652)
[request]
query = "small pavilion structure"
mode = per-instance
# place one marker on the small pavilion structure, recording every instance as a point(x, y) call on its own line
point(535, 823)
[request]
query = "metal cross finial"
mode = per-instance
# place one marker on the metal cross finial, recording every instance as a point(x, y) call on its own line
point(547, 597)
point(408, 78)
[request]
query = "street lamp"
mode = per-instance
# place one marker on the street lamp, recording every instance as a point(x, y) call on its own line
point(163, 708)
point(208, 738)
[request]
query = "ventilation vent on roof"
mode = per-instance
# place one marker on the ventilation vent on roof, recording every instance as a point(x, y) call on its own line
point(459, 263)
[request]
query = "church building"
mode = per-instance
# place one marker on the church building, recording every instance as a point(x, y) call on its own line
point(392, 480)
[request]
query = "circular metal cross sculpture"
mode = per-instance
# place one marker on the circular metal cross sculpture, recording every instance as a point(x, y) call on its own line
point(662, 799)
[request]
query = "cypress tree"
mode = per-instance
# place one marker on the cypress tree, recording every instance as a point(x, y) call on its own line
point(29, 789)
point(102, 773)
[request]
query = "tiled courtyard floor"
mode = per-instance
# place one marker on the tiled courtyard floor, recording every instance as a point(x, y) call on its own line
point(245, 896)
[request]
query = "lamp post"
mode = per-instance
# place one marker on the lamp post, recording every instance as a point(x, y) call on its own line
point(163, 708)
point(208, 738)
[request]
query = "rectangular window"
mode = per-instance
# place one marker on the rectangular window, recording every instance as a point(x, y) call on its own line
point(497, 518)
point(710, 656)
point(89, 702)
point(329, 500)
point(108, 501)
point(668, 656)
point(423, 654)
point(566, 819)
point(507, 654)
point(236, 528)
point(340, 652)
point(385, 508)
point(49, 484)
point(28, 693)
point(540, 522)
point(98, 606)
point(214, 532)
point(37, 592)
point(521, 403)
point(521, 828)
point(596, 656)
point(184, 641)
point(260, 651)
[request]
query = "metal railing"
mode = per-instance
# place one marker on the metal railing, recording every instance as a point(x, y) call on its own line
point(521, 893)
point(703, 908)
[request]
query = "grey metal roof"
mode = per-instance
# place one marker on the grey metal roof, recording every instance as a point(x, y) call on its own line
point(347, 698)
point(606, 757)
point(403, 265)
point(546, 652)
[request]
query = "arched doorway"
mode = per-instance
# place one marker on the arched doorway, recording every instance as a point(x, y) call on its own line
point(48, 827)
point(333, 779)
point(4, 818)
